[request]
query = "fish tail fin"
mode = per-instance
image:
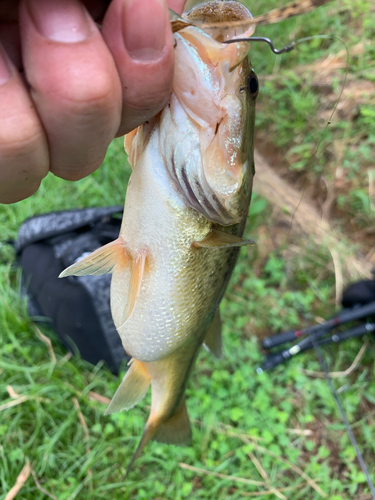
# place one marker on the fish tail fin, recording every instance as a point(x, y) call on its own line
point(168, 421)
point(148, 433)
point(176, 430)
point(107, 259)
point(132, 389)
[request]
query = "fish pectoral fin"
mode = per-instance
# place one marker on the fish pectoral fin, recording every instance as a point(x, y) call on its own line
point(136, 276)
point(212, 341)
point(132, 389)
point(107, 259)
point(176, 430)
point(220, 239)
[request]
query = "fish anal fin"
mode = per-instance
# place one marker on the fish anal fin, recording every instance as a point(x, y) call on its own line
point(136, 276)
point(220, 239)
point(132, 389)
point(212, 341)
point(176, 430)
point(107, 259)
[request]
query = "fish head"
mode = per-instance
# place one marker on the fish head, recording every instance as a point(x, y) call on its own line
point(209, 123)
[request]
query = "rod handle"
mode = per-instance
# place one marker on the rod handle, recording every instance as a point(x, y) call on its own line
point(280, 338)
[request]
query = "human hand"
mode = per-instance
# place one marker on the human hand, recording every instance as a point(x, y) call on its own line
point(68, 88)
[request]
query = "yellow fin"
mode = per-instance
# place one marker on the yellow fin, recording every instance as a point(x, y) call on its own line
point(146, 436)
point(220, 239)
point(132, 389)
point(212, 341)
point(137, 270)
point(176, 430)
point(107, 259)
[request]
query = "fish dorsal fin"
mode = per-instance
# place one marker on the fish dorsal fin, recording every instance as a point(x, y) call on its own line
point(212, 341)
point(132, 389)
point(220, 239)
point(107, 259)
point(136, 276)
point(176, 430)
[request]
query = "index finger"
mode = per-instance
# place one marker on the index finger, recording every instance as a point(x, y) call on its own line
point(139, 35)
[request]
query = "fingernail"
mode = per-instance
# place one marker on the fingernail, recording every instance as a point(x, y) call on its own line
point(144, 28)
point(4, 67)
point(60, 20)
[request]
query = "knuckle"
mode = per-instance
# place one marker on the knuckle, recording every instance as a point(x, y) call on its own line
point(23, 157)
point(18, 137)
point(91, 97)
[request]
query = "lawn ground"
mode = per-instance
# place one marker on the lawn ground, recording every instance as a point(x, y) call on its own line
point(273, 435)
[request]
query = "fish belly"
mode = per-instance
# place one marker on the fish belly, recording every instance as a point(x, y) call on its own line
point(182, 286)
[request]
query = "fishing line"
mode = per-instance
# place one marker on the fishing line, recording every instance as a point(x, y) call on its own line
point(312, 338)
point(289, 48)
point(329, 121)
point(348, 427)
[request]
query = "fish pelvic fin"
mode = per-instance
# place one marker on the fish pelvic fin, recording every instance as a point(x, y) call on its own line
point(220, 239)
point(213, 341)
point(176, 430)
point(132, 389)
point(136, 276)
point(110, 258)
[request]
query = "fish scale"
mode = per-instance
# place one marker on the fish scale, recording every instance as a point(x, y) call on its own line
point(185, 212)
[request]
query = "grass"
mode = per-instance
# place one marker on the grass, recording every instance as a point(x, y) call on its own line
point(279, 428)
point(300, 91)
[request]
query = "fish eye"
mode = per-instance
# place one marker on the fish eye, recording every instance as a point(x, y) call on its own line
point(253, 85)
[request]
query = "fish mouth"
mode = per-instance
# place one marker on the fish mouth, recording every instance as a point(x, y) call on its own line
point(208, 159)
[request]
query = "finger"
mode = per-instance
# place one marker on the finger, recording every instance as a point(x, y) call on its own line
point(74, 83)
point(23, 148)
point(139, 36)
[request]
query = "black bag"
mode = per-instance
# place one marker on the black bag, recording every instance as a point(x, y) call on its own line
point(78, 306)
point(359, 293)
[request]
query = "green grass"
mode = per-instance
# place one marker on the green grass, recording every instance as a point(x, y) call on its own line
point(300, 90)
point(283, 417)
point(225, 398)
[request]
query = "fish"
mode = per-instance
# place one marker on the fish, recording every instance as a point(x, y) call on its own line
point(292, 9)
point(186, 207)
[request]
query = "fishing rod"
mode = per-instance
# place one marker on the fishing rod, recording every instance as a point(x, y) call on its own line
point(342, 317)
point(356, 313)
point(274, 359)
point(316, 332)
point(359, 296)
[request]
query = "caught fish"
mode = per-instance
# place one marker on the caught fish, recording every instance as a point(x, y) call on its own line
point(185, 212)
